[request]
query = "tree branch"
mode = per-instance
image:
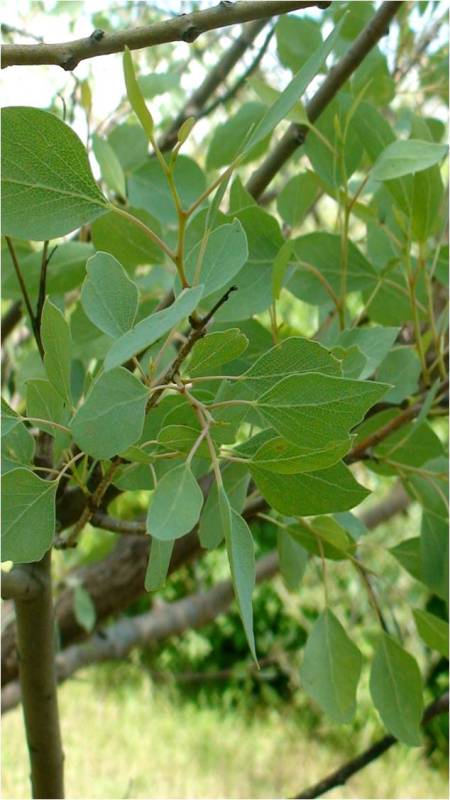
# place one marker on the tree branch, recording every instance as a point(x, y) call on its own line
point(296, 134)
point(20, 584)
point(150, 628)
point(11, 318)
point(342, 775)
point(118, 580)
point(36, 644)
point(183, 28)
point(213, 79)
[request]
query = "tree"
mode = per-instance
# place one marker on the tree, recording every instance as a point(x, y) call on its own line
point(157, 352)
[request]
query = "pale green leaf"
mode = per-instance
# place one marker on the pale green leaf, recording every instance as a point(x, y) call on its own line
point(220, 260)
point(241, 554)
point(135, 95)
point(405, 157)
point(297, 197)
point(323, 535)
point(47, 185)
point(293, 559)
point(176, 504)
point(109, 164)
point(396, 689)
point(57, 344)
point(235, 480)
point(402, 369)
point(293, 91)
point(374, 342)
point(28, 516)
point(118, 236)
point(331, 668)
point(84, 608)
point(108, 296)
point(148, 187)
point(158, 564)
point(216, 349)
point(112, 416)
point(150, 329)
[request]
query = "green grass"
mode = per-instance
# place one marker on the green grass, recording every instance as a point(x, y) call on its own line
point(138, 742)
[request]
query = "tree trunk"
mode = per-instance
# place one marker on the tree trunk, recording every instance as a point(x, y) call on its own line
point(36, 646)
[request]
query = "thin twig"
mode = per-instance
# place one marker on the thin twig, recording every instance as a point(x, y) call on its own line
point(340, 776)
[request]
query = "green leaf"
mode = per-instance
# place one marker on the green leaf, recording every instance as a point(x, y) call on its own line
point(176, 504)
point(28, 516)
point(130, 145)
point(129, 245)
point(156, 83)
point(267, 94)
point(407, 554)
point(297, 197)
point(182, 438)
point(109, 164)
point(47, 184)
point(220, 260)
point(293, 91)
point(108, 296)
point(150, 329)
point(254, 280)
point(65, 273)
point(323, 535)
point(57, 344)
point(158, 564)
point(280, 265)
point(241, 554)
point(282, 456)
point(322, 252)
point(297, 40)
point(293, 560)
point(312, 409)
point(17, 442)
point(135, 96)
point(235, 480)
point(227, 138)
point(428, 191)
point(216, 349)
point(148, 188)
point(402, 369)
point(396, 689)
point(112, 416)
point(333, 157)
point(432, 630)
point(434, 554)
point(376, 134)
point(331, 668)
point(44, 403)
point(308, 493)
point(405, 157)
point(374, 342)
point(84, 609)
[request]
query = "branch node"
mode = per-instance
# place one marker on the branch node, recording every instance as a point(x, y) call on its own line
point(97, 35)
point(69, 62)
point(190, 34)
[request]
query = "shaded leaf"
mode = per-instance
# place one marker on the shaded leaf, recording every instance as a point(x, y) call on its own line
point(108, 296)
point(396, 689)
point(158, 564)
point(57, 343)
point(331, 668)
point(241, 554)
point(432, 630)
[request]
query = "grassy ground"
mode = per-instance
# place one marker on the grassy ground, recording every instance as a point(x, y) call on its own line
point(138, 743)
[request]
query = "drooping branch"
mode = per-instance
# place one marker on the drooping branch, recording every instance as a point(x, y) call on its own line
point(341, 72)
point(118, 580)
point(116, 641)
point(344, 773)
point(213, 80)
point(182, 28)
